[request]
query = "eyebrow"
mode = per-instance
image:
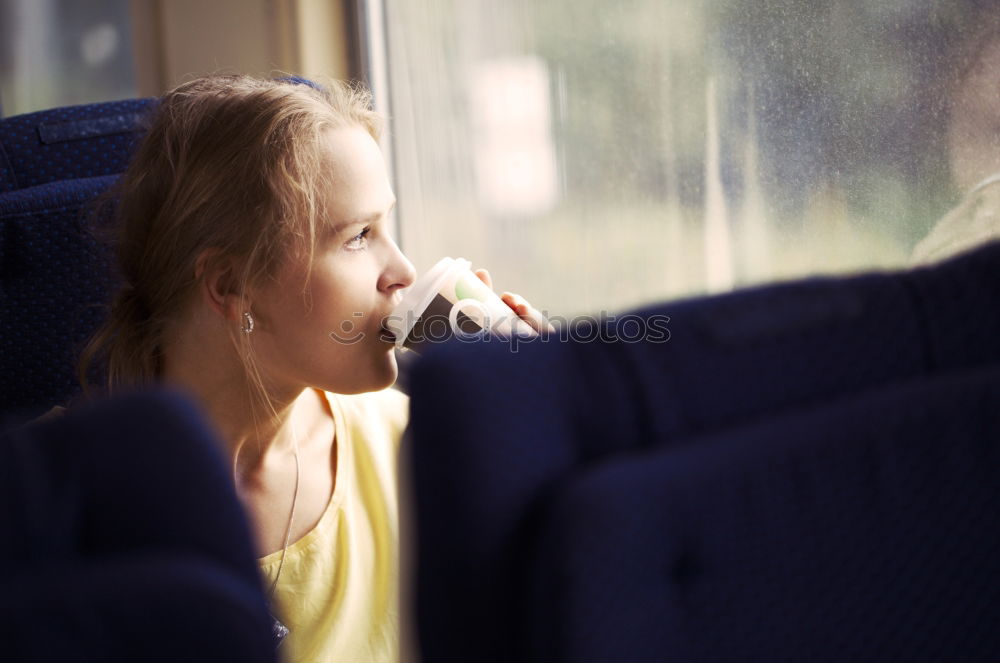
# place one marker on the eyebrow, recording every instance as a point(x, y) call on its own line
point(363, 221)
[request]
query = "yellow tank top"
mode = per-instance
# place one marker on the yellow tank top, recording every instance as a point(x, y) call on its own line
point(339, 587)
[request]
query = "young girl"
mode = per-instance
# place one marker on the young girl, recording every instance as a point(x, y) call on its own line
point(254, 223)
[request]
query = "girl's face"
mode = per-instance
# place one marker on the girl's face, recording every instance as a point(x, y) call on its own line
point(322, 327)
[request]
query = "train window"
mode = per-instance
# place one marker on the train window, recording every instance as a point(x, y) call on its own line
point(63, 52)
point(602, 155)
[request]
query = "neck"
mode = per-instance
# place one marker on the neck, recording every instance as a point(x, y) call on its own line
point(214, 374)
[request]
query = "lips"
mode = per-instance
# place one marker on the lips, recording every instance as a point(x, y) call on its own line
point(386, 335)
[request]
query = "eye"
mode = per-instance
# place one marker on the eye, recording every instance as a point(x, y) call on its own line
point(359, 241)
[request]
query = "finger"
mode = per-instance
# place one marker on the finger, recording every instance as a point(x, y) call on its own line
point(511, 300)
point(484, 276)
point(528, 313)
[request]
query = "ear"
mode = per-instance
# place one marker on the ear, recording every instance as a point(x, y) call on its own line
point(217, 283)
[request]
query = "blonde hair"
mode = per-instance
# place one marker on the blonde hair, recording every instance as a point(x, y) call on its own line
point(232, 165)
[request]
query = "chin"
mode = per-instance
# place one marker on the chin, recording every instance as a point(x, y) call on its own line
point(389, 371)
point(377, 377)
point(388, 380)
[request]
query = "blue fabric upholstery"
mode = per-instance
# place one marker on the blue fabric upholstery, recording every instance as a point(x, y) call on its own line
point(497, 434)
point(861, 530)
point(70, 142)
point(152, 608)
point(55, 281)
point(124, 539)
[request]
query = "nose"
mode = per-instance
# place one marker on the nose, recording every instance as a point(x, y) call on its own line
point(399, 272)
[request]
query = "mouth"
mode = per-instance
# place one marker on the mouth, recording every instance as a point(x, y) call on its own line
point(386, 335)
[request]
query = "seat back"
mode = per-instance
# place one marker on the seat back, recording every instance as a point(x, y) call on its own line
point(124, 539)
point(860, 530)
point(56, 278)
point(496, 434)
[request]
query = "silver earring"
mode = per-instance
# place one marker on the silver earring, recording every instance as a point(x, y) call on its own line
point(247, 326)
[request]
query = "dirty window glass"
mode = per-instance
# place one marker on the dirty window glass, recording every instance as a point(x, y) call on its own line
point(601, 155)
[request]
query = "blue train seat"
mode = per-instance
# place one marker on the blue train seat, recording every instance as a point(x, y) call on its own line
point(611, 497)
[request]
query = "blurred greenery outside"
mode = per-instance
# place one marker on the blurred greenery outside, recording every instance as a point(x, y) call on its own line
point(830, 130)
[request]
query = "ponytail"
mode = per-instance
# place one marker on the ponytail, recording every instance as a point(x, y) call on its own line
point(127, 345)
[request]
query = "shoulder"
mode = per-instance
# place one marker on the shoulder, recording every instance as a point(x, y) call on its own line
point(379, 413)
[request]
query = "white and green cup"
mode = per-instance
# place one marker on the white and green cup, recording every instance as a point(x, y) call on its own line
point(451, 301)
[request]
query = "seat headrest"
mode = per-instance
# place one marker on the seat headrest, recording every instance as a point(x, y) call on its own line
point(71, 142)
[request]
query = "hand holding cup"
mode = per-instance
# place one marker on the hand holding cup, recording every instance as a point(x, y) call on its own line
point(525, 311)
point(451, 300)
